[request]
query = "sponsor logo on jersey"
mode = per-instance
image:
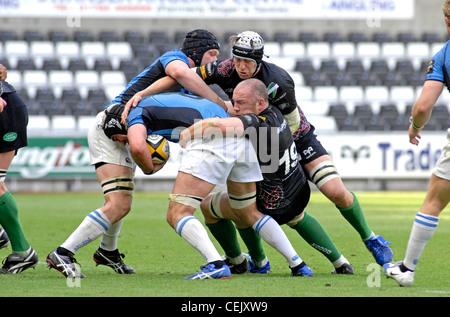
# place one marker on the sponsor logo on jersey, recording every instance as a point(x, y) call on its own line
point(430, 67)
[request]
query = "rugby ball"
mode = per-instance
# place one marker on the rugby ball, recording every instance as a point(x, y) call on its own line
point(159, 148)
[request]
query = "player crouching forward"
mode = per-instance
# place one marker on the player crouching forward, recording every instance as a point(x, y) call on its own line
point(115, 150)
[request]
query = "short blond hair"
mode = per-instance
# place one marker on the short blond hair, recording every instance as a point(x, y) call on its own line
point(446, 8)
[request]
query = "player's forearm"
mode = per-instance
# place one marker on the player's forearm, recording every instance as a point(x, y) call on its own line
point(164, 84)
point(423, 107)
point(193, 83)
point(143, 159)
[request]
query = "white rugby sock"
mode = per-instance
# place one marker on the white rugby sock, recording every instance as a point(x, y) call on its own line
point(271, 232)
point(192, 230)
point(109, 239)
point(422, 231)
point(93, 226)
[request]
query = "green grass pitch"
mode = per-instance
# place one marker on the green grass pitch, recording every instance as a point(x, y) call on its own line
point(161, 258)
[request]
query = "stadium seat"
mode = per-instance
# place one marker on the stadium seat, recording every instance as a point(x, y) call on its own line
point(376, 94)
point(118, 51)
point(60, 79)
point(316, 79)
point(35, 78)
point(39, 123)
point(338, 111)
point(77, 64)
point(367, 79)
point(402, 94)
point(316, 108)
point(112, 78)
point(84, 123)
point(431, 37)
point(343, 79)
point(318, 50)
point(58, 36)
point(41, 50)
point(83, 36)
point(109, 36)
point(283, 37)
point(307, 37)
point(112, 91)
point(347, 124)
point(389, 114)
point(416, 80)
point(272, 49)
point(134, 37)
point(297, 77)
point(62, 123)
point(323, 124)
point(434, 48)
point(303, 94)
point(287, 63)
point(51, 64)
point(354, 94)
point(305, 67)
point(354, 67)
point(363, 113)
point(160, 41)
point(404, 67)
point(8, 36)
point(33, 35)
point(86, 79)
point(332, 37)
point(91, 51)
point(24, 64)
point(15, 50)
point(102, 64)
point(293, 49)
point(66, 51)
point(394, 50)
point(406, 37)
point(357, 37)
point(379, 68)
point(80, 108)
point(15, 78)
point(393, 79)
point(343, 50)
point(417, 51)
point(381, 37)
point(97, 100)
point(368, 50)
point(325, 93)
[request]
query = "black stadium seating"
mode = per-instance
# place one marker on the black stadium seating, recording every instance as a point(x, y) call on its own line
point(327, 69)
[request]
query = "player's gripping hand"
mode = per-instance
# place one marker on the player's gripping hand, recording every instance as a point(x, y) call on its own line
point(131, 103)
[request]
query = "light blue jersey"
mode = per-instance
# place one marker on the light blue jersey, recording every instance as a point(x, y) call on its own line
point(169, 113)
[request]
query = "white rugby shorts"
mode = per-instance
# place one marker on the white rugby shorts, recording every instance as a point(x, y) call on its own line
point(103, 149)
point(442, 168)
point(221, 159)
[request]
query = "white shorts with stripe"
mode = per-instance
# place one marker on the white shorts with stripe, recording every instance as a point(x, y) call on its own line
point(221, 159)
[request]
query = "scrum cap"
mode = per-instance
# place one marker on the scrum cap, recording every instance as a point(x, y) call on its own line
point(111, 123)
point(197, 43)
point(248, 45)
